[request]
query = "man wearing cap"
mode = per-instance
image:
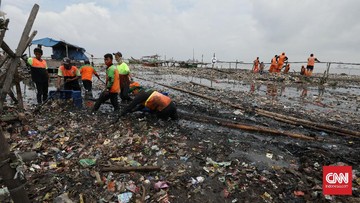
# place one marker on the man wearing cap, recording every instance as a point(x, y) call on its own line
point(39, 75)
point(124, 74)
point(87, 71)
point(71, 75)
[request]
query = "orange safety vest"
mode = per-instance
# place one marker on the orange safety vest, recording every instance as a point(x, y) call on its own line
point(157, 101)
point(134, 87)
point(87, 72)
point(112, 72)
point(38, 64)
point(256, 66)
point(311, 61)
point(273, 65)
point(273, 61)
point(68, 73)
point(281, 59)
point(287, 68)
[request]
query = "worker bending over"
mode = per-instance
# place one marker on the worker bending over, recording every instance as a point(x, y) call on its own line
point(158, 103)
point(71, 75)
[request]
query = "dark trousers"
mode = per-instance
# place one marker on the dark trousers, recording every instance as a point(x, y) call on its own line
point(87, 85)
point(124, 88)
point(105, 96)
point(169, 111)
point(72, 85)
point(42, 91)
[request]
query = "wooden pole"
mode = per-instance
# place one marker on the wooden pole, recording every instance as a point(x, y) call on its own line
point(276, 116)
point(16, 189)
point(236, 125)
point(18, 91)
point(2, 35)
point(123, 169)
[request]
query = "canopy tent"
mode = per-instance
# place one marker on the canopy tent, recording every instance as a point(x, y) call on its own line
point(61, 49)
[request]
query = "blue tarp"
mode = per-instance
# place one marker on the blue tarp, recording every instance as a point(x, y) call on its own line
point(59, 49)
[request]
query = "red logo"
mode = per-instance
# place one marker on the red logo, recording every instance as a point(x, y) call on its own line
point(337, 180)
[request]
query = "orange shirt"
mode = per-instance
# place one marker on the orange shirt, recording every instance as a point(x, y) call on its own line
point(86, 72)
point(281, 59)
point(311, 61)
point(72, 72)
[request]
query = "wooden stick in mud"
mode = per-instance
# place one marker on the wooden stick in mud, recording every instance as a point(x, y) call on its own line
point(124, 169)
point(195, 83)
point(252, 128)
point(276, 116)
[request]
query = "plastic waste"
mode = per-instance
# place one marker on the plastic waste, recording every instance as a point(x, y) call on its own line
point(32, 132)
point(161, 185)
point(125, 197)
point(87, 162)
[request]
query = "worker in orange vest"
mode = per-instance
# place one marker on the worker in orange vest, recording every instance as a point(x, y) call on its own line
point(303, 71)
point(310, 64)
point(158, 103)
point(256, 65)
point(134, 87)
point(281, 61)
point(287, 68)
point(273, 66)
point(112, 85)
point(39, 75)
point(71, 75)
point(87, 71)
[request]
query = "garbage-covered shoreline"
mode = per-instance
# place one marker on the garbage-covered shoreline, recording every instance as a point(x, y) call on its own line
point(195, 159)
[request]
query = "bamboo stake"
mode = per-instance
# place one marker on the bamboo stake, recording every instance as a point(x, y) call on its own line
point(276, 116)
point(123, 169)
point(18, 91)
point(23, 43)
point(236, 125)
point(2, 35)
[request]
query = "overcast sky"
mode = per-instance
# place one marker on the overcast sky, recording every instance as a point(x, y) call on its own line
point(233, 29)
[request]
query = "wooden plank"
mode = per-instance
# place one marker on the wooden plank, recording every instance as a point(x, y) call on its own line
point(12, 69)
point(2, 35)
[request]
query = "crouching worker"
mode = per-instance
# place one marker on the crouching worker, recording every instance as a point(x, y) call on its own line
point(112, 85)
point(158, 103)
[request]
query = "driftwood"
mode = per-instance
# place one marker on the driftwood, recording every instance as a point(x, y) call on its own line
point(123, 169)
point(276, 116)
point(236, 125)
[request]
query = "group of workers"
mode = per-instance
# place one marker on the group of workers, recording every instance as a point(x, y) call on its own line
point(281, 61)
point(117, 83)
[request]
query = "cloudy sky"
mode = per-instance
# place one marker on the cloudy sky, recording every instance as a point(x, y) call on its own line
point(233, 29)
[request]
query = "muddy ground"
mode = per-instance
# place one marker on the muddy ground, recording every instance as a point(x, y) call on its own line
point(200, 161)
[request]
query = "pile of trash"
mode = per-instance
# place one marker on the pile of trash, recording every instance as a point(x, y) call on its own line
point(81, 157)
